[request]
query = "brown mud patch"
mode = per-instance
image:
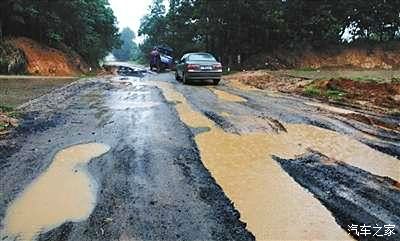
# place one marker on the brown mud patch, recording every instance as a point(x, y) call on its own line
point(396, 184)
point(364, 56)
point(64, 192)
point(223, 95)
point(264, 80)
point(385, 95)
point(367, 94)
point(269, 201)
point(43, 60)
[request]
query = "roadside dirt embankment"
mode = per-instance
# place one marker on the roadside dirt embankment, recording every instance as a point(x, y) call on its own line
point(37, 59)
point(368, 93)
point(362, 57)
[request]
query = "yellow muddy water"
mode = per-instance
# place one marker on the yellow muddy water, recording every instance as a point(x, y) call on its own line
point(64, 192)
point(227, 96)
point(272, 204)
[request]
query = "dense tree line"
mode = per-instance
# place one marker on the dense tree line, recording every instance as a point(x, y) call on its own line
point(129, 49)
point(228, 28)
point(86, 26)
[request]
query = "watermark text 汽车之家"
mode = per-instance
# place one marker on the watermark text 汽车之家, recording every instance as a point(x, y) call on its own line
point(370, 230)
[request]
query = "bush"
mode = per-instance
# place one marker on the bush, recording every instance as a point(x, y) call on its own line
point(312, 90)
point(12, 59)
point(335, 94)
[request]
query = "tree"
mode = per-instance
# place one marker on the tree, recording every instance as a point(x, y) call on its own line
point(153, 28)
point(129, 48)
point(228, 28)
point(86, 26)
point(376, 20)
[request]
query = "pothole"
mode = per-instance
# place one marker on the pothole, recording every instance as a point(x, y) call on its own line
point(64, 192)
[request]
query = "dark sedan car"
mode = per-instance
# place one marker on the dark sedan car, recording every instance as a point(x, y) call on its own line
point(198, 66)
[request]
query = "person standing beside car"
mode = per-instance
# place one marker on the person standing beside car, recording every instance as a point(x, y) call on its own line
point(155, 59)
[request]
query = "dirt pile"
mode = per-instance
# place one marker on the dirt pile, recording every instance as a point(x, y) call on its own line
point(43, 60)
point(385, 95)
point(264, 80)
point(330, 57)
point(369, 94)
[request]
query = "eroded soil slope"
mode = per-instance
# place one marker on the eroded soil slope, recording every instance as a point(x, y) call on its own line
point(364, 57)
point(43, 60)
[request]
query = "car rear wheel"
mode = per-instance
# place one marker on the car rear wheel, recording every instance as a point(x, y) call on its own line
point(216, 81)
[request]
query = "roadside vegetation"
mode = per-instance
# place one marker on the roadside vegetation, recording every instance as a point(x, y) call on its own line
point(330, 93)
point(228, 29)
point(129, 50)
point(85, 27)
point(8, 119)
point(377, 90)
point(378, 76)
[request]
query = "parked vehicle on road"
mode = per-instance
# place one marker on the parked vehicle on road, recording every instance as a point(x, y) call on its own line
point(161, 58)
point(167, 61)
point(197, 67)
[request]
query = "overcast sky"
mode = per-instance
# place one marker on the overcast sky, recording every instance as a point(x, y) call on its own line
point(129, 12)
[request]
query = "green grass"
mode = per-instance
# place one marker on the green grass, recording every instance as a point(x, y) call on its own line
point(3, 126)
point(368, 79)
point(312, 91)
point(378, 76)
point(5, 108)
point(10, 112)
point(306, 69)
point(335, 94)
point(14, 114)
point(396, 79)
point(88, 75)
point(332, 94)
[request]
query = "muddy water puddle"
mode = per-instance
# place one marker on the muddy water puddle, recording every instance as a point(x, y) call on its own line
point(272, 204)
point(64, 192)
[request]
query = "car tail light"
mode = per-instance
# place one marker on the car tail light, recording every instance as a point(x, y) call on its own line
point(217, 67)
point(193, 67)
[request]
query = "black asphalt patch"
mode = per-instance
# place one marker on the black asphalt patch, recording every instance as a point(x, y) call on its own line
point(354, 196)
point(221, 122)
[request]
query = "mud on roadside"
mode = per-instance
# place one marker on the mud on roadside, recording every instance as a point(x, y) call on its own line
point(370, 95)
point(363, 93)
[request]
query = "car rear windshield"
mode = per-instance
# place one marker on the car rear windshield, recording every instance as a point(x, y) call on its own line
point(201, 57)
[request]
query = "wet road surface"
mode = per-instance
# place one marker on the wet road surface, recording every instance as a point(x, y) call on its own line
point(148, 158)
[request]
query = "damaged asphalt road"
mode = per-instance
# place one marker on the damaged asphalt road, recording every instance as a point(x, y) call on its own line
point(193, 162)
